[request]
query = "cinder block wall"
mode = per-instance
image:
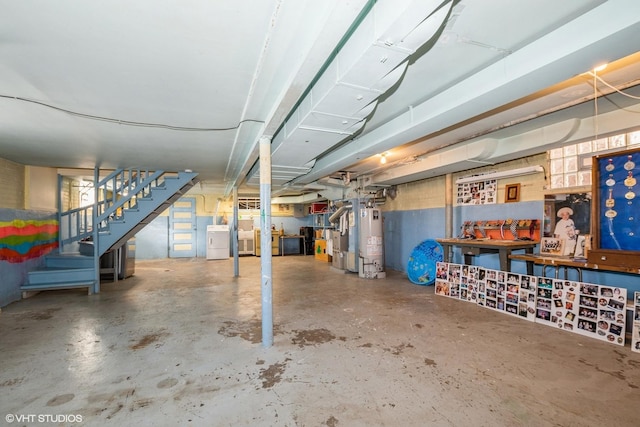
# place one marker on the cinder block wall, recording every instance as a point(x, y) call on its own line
point(12, 181)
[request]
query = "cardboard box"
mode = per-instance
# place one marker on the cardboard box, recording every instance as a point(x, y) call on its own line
point(320, 250)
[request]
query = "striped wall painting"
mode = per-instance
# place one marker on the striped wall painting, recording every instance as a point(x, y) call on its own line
point(21, 240)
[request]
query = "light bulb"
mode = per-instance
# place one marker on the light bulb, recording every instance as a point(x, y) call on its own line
point(600, 68)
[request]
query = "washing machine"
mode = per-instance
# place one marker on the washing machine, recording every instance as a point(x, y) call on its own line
point(218, 241)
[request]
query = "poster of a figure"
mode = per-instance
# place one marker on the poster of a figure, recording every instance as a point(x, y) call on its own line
point(568, 217)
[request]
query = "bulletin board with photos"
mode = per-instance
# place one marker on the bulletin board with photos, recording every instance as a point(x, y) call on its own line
point(583, 308)
point(510, 293)
point(479, 192)
point(596, 311)
point(617, 202)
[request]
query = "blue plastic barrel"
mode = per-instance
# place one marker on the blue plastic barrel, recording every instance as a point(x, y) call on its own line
point(421, 268)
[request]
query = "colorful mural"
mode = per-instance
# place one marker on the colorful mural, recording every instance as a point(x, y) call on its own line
point(21, 240)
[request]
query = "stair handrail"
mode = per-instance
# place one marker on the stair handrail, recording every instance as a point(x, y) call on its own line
point(77, 224)
point(133, 190)
point(77, 230)
point(101, 189)
point(133, 178)
point(119, 181)
point(114, 194)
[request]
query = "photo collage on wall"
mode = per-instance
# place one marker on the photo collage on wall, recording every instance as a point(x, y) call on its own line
point(481, 192)
point(597, 311)
point(635, 336)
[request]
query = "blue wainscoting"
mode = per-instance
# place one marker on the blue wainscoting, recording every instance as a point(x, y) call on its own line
point(404, 230)
point(152, 242)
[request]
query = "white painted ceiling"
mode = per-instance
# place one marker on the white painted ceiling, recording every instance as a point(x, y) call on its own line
point(195, 84)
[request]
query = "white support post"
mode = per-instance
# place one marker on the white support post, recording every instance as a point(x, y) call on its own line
point(265, 242)
point(96, 234)
point(236, 263)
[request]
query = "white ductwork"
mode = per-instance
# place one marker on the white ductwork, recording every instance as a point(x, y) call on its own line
point(493, 87)
point(371, 61)
point(335, 217)
point(485, 151)
point(298, 200)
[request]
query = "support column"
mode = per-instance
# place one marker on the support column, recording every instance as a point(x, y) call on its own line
point(236, 264)
point(94, 225)
point(265, 242)
point(448, 213)
point(59, 213)
point(448, 206)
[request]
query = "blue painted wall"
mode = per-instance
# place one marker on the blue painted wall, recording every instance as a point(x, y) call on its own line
point(152, 242)
point(201, 236)
point(404, 230)
point(291, 226)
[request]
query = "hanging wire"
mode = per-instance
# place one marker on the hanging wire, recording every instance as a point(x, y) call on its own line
point(597, 79)
point(130, 122)
point(595, 103)
point(595, 76)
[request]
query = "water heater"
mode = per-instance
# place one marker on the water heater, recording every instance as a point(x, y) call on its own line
point(371, 250)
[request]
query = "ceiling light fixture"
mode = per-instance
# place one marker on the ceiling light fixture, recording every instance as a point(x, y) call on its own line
point(600, 68)
point(383, 158)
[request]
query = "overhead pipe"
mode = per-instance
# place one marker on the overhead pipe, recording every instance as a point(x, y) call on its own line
point(481, 91)
point(335, 217)
point(369, 63)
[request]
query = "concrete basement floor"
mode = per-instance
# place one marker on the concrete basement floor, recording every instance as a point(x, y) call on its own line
point(179, 343)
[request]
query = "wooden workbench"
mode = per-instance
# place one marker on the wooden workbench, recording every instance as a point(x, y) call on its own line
point(474, 247)
point(566, 262)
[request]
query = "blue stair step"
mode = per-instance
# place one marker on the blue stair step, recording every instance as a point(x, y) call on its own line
point(68, 261)
point(60, 285)
point(65, 271)
point(60, 275)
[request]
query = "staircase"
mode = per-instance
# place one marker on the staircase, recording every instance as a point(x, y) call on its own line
point(126, 201)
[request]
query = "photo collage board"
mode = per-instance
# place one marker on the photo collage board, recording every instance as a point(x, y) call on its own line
point(511, 293)
point(635, 336)
point(481, 192)
point(596, 311)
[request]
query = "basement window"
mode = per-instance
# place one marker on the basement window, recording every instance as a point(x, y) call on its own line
point(570, 166)
point(249, 203)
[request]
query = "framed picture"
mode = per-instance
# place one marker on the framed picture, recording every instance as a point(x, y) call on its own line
point(583, 245)
point(578, 221)
point(512, 193)
point(551, 246)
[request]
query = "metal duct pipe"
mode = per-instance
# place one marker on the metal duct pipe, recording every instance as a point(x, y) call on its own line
point(448, 206)
point(335, 217)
